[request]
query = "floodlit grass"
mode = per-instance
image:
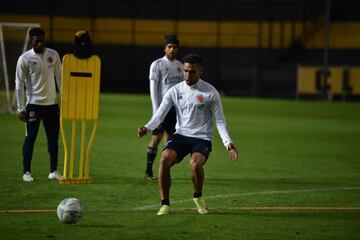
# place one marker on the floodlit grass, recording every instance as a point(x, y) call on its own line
point(291, 154)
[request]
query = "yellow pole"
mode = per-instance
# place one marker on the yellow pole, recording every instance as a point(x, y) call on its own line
point(63, 134)
point(72, 156)
point(91, 143)
point(83, 128)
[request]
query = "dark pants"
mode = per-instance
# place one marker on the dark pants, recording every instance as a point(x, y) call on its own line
point(50, 117)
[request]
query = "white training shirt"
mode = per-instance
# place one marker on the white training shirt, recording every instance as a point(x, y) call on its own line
point(195, 106)
point(37, 73)
point(164, 74)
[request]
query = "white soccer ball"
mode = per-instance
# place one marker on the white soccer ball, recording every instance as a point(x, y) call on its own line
point(70, 210)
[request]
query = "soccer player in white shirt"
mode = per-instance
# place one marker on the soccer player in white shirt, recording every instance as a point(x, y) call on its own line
point(165, 72)
point(38, 72)
point(196, 103)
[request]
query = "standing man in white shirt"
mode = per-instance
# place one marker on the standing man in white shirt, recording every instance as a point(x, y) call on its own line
point(38, 73)
point(196, 103)
point(165, 72)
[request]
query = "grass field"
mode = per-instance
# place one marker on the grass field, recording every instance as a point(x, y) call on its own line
point(297, 177)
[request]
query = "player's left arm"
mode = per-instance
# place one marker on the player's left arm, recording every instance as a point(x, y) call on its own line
point(58, 71)
point(216, 108)
point(232, 151)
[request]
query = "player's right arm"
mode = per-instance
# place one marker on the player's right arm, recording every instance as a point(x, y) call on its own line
point(154, 92)
point(142, 131)
point(21, 74)
point(154, 77)
point(159, 115)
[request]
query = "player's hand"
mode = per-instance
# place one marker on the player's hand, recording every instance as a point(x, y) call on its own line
point(232, 151)
point(22, 116)
point(142, 131)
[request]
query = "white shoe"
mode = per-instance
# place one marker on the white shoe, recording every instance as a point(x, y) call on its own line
point(201, 205)
point(55, 175)
point(164, 210)
point(27, 177)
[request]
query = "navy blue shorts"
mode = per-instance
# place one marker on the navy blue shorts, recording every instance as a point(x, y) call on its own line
point(183, 145)
point(168, 125)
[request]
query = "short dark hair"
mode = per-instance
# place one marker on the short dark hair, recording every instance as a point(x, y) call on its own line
point(192, 59)
point(36, 32)
point(171, 38)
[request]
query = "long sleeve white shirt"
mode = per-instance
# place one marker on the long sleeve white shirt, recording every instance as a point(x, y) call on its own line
point(164, 74)
point(196, 106)
point(37, 74)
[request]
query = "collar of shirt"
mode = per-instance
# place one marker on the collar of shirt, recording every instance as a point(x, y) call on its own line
point(169, 59)
point(196, 85)
point(39, 54)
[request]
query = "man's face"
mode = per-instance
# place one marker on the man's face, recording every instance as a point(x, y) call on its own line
point(171, 51)
point(192, 73)
point(37, 43)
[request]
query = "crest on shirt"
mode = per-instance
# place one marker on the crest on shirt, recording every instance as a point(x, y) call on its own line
point(200, 98)
point(179, 70)
point(50, 60)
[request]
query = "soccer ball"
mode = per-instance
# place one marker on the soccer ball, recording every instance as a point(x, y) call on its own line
point(70, 210)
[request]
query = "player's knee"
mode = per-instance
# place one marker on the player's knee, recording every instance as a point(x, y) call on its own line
point(195, 164)
point(52, 137)
point(197, 160)
point(168, 159)
point(30, 138)
point(165, 162)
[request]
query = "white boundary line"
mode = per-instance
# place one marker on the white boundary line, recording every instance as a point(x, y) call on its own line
point(155, 206)
point(27, 211)
point(258, 208)
point(249, 208)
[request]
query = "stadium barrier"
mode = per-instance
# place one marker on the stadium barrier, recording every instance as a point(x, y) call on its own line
point(313, 81)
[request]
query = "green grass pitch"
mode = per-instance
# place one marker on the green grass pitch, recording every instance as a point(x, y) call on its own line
point(299, 164)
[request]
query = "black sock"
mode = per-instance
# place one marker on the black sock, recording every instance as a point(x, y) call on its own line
point(165, 202)
point(151, 154)
point(197, 195)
